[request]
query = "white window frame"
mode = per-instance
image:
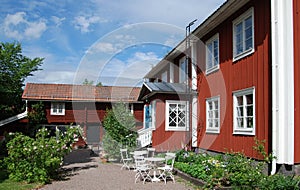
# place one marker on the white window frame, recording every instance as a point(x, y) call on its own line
point(211, 116)
point(55, 108)
point(241, 20)
point(244, 130)
point(177, 128)
point(210, 56)
point(182, 70)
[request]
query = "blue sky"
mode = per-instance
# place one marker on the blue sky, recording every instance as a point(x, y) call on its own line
point(115, 42)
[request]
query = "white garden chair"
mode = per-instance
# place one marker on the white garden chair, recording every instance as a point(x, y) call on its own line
point(151, 152)
point(167, 169)
point(142, 169)
point(125, 159)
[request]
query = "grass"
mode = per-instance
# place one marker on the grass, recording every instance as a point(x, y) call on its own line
point(7, 184)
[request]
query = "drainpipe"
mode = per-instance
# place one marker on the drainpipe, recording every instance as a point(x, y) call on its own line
point(189, 135)
point(282, 82)
point(194, 93)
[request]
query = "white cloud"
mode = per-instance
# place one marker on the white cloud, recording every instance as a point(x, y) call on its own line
point(16, 26)
point(57, 21)
point(134, 68)
point(104, 47)
point(35, 29)
point(83, 23)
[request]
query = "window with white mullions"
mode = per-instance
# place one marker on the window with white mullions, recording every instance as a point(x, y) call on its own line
point(244, 114)
point(212, 54)
point(243, 35)
point(57, 108)
point(213, 115)
point(176, 114)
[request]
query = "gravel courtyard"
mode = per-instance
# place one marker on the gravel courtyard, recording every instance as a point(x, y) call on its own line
point(86, 172)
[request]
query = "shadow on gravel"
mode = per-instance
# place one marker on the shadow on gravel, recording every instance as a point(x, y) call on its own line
point(79, 156)
point(80, 159)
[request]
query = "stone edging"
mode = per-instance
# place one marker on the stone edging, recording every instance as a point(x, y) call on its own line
point(194, 180)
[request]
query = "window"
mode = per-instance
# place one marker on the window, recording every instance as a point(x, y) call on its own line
point(149, 115)
point(212, 54)
point(176, 115)
point(131, 108)
point(243, 35)
point(164, 76)
point(171, 73)
point(244, 112)
point(213, 115)
point(182, 70)
point(57, 108)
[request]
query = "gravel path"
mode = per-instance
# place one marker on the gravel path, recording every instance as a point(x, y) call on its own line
point(88, 173)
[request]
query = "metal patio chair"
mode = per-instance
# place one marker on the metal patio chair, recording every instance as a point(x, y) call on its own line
point(166, 171)
point(125, 159)
point(142, 169)
point(151, 152)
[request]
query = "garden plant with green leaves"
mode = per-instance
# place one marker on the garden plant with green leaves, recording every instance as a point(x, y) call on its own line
point(38, 159)
point(234, 170)
point(120, 130)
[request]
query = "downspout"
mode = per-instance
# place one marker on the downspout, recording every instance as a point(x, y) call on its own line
point(194, 93)
point(274, 83)
point(282, 82)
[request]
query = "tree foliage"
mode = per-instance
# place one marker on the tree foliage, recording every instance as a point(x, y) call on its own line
point(36, 117)
point(14, 68)
point(119, 124)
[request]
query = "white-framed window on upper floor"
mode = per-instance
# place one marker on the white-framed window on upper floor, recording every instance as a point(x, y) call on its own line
point(244, 112)
point(164, 76)
point(243, 35)
point(57, 108)
point(213, 115)
point(183, 70)
point(212, 54)
point(171, 76)
point(177, 116)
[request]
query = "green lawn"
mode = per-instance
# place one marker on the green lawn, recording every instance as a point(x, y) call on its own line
point(7, 184)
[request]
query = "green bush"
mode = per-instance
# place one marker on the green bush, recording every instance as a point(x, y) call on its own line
point(37, 159)
point(120, 130)
point(232, 169)
point(279, 182)
point(111, 147)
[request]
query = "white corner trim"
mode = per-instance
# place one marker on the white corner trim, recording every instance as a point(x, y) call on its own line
point(282, 81)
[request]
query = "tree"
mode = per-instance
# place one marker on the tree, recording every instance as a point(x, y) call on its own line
point(119, 125)
point(99, 84)
point(36, 117)
point(14, 68)
point(87, 82)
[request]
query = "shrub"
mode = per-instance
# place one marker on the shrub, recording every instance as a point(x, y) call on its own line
point(37, 159)
point(111, 147)
point(278, 182)
point(233, 169)
point(120, 130)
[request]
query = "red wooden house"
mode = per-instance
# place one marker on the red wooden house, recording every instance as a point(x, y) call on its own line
point(240, 69)
point(82, 105)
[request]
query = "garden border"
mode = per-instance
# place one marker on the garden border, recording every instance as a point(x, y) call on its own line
point(194, 180)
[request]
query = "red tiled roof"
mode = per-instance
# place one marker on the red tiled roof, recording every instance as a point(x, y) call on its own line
point(70, 92)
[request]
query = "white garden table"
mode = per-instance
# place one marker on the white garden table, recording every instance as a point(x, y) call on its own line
point(155, 160)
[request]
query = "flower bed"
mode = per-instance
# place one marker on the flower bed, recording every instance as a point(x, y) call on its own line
point(231, 170)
